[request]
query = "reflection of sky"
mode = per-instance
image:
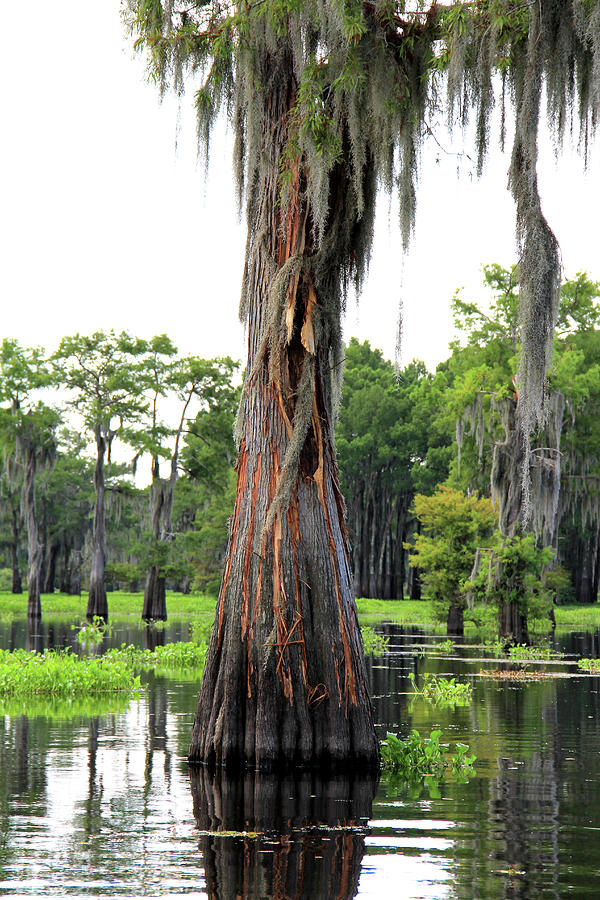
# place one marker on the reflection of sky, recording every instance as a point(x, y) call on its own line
point(405, 877)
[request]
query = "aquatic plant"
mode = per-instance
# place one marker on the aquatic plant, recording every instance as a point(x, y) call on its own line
point(91, 633)
point(422, 762)
point(443, 691)
point(523, 651)
point(373, 642)
point(61, 673)
point(183, 655)
point(590, 665)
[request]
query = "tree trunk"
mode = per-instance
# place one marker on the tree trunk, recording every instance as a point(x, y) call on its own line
point(155, 604)
point(155, 596)
point(50, 575)
point(455, 623)
point(17, 584)
point(97, 600)
point(512, 624)
point(34, 605)
point(285, 681)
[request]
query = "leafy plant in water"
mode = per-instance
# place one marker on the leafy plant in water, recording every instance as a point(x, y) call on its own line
point(181, 656)
point(373, 642)
point(522, 651)
point(496, 647)
point(590, 665)
point(419, 762)
point(60, 673)
point(443, 691)
point(91, 633)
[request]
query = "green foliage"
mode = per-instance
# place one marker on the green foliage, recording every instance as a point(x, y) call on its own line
point(589, 665)
point(525, 652)
point(443, 691)
point(519, 564)
point(63, 674)
point(176, 657)
point(373, 642)
point(417, 762)
point(91, 633)
point(453, 527)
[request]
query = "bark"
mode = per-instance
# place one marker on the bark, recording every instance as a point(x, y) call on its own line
point(34, 606)
point(308, 860)
point(455, 623)
point(285, 681)
point(155, 596)
point(512, 623)
point(97, 600)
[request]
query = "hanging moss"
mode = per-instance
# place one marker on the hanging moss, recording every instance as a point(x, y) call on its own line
point(365, 79)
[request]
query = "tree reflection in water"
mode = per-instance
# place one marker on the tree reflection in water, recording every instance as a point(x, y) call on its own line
point(299, 836)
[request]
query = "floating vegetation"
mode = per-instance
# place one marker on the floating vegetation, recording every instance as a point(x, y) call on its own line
point(61, 673)
point(589, 665)
point(443, 691)
point(517, 674)
point(419, 762)
point(373, 642)
point(444, 646)
point(91, 633)
point(181, 656)
point(496, 647)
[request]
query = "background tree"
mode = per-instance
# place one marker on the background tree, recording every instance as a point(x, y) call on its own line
point(186, 379)
point(484, 400)
point(100, 372)
point(454, 526)
point(27, 433)
point(386, 442)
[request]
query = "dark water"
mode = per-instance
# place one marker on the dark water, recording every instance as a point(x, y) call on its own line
point(105, 805)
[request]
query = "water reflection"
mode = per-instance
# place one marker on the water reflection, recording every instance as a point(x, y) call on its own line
point(298, 836)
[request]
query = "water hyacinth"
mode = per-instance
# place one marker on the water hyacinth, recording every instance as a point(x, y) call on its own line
point(60, 673)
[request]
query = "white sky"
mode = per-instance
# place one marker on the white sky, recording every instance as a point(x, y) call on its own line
point(105, 224)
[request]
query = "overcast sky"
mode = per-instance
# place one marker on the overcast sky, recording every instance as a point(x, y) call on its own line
point(106, 223)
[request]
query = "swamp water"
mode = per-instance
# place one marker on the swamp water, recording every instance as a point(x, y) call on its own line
point(105, 805)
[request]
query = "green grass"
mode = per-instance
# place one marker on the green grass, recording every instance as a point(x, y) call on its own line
point(578, 615)
point(121, 605)
point(408, 612)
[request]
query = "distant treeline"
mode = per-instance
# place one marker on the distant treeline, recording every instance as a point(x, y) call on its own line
point(71, 518)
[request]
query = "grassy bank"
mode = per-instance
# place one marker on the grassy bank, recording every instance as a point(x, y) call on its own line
point(121, 605)
point(184, 607)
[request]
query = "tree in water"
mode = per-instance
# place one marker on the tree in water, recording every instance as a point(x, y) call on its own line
point(28, 438)
point(454, 526)
point(101, 374)
point(326, 100)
